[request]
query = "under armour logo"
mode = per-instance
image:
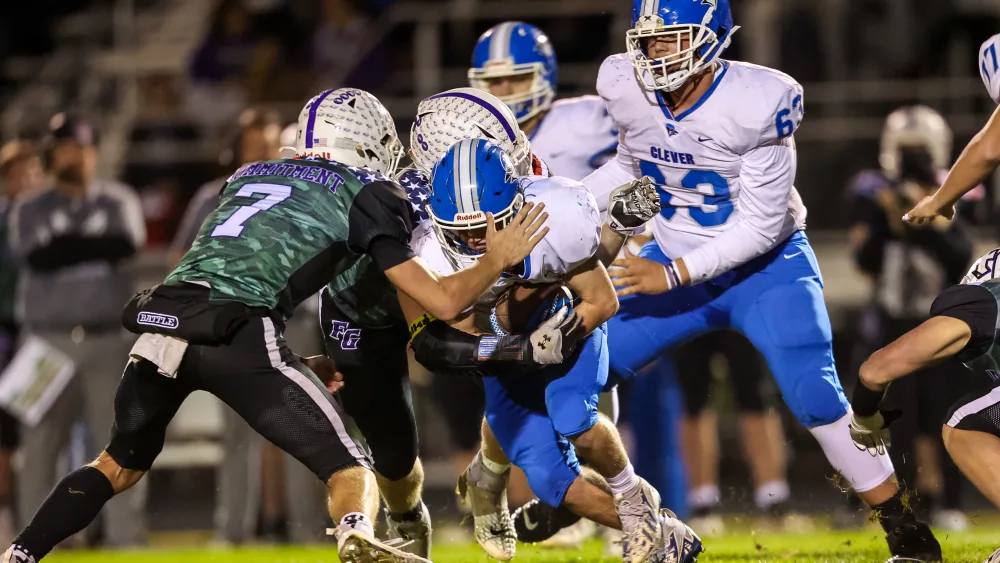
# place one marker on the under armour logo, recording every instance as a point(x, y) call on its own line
point(348, 337)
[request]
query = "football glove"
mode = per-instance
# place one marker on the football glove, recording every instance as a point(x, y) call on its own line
point(871, 433)
point(556, 338)
point(632, 205)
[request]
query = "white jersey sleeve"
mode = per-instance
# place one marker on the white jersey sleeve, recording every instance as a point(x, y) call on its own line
point(989, 66)
point(766, 177)
point(574, 228)
point(427, 247)
point(575, 137)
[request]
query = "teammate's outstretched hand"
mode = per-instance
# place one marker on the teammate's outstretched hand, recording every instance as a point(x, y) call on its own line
point(927, 210)
point(514, 243)
point(638, 275)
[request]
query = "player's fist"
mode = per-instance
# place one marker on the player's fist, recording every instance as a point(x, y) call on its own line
point(929, 209)
point(871, 433)
point(632, 205)
point(326, 371)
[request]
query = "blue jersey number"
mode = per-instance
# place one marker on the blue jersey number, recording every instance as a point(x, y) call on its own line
point(990, 55)
point(717, 206)
point(784, 123)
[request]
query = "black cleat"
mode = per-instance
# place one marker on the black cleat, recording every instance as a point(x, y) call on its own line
point(536, 521)
point(913, 542)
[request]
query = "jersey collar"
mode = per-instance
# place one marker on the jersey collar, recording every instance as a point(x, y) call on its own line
point(719, 74)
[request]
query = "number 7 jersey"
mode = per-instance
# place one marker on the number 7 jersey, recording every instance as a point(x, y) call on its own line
point(286, 228)
point(707, 161)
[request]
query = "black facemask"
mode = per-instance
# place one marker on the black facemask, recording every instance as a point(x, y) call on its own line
point(917, 165)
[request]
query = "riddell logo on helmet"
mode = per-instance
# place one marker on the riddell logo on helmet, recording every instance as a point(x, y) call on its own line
point(470, 216)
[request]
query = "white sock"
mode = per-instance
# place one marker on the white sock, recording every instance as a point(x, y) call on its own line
point(358, 522)
point(771, 493)
point(705, 496)
point(494, 467)
point(625, 481)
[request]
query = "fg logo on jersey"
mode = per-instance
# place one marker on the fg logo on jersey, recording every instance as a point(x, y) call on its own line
point(348, 337)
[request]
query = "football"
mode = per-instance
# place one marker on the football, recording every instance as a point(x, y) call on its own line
point(524, 306)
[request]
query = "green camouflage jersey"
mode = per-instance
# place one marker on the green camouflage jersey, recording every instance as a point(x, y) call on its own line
point(977, 304)
point(285, 228)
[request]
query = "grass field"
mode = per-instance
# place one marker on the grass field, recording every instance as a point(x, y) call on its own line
point(824, 547)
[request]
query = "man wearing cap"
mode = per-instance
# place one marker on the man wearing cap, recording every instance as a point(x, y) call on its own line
point(73, 239)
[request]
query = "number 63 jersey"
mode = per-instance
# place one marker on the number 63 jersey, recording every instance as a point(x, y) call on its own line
point(285, 228)
point(724, 168)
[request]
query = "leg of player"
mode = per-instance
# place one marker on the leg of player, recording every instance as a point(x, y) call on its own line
point(482, 488)
point(788, 323)
point(978, 456)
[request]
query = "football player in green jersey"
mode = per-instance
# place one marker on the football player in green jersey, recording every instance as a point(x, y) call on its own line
point(963, 325)
point(283, 229)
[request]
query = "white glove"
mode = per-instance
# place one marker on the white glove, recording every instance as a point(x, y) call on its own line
point(632, 205)
point(555, 339)
point(871, 433)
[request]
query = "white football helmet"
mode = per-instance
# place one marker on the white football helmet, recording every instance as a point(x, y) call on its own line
point(448, 118)
point(349, 126)
point(984, 269)
point(915, 126)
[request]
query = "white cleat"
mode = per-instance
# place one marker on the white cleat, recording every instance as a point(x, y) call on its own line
point(354, 547)
point(417, 533)
point(950, 520)
point(680, 543)
point(639, 511)
point(571, 537)
point(494, 528)
point(995, 558)
point(15, 554)
point(612, 543)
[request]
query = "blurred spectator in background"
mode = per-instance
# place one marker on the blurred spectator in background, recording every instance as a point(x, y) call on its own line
point(165, 152)
point(909, 266)
point(254, 476)
point(761, 434)
point(74, 239)
point(342, 49)
point(20, 173)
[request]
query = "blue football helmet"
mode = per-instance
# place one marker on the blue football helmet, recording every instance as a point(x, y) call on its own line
point(474, 177)
point(701, 30)
point(514, 48)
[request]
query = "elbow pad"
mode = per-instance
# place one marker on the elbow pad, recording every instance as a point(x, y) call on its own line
point(446, 350)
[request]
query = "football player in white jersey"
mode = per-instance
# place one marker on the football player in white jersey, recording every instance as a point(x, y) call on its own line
point(515, 61)
point(730, 252)
point(539, 419)
point(979, 159)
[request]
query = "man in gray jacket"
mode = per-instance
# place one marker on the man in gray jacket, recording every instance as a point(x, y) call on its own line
point(74, 240)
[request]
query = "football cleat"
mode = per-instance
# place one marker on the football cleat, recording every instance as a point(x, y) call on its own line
point(494, 528)
point(417, 533)
point(639, 511)
point(536, 521)
point(913, 542)
point(354, 547)
point(571, 537)
point(995, 558)
point(16, 554)
point(680, 543)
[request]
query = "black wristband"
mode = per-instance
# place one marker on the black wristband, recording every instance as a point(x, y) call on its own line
point(866, 401)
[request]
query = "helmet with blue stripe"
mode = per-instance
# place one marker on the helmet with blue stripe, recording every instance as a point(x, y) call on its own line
point(474, 178)
point(351, 127)
point(466, 113)
point(700, 29)
point(511, 49)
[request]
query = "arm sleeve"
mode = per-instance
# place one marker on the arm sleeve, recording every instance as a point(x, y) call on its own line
point(975, 306)
point(381, 224)
point(766, 177)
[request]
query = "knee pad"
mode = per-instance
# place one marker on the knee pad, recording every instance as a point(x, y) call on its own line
point(861, 469)
point(818, 399)
point(550, 482)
